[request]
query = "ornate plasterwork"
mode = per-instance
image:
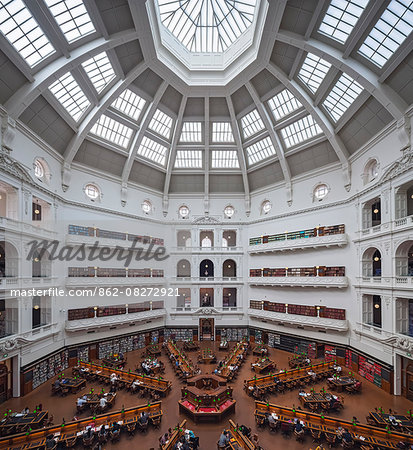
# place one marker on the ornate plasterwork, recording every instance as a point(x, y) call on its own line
point(404, 343)
point(206, 220)
point(400, 166)
point(8, 131)
point(327, 282)
point(12, 167)
point(13, 343)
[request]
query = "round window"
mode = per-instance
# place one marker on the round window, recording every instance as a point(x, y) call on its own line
point(320, 191)
point(146, 207)
point(184, 211)
point(229, 211)
point(38, 169)
point(266, 206)
point(92, 191)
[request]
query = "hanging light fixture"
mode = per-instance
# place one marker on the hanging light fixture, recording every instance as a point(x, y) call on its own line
point(37, 211)
point(376, 305)
point(376, 211)
point(376, 258)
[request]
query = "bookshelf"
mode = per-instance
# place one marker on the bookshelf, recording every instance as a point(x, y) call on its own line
point(302, 310)
point(83, 230)
point(321, 271)
point(178, 334)
point(107, 272)
point(81, 313)
point(79, 230)
point(49, 367)
point(234, 334)
point(301, 234)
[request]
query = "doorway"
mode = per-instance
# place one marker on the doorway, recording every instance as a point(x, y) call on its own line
point(206, 329)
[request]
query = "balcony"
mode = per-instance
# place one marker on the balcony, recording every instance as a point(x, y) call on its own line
point(396, 340)
point(206, 310)
point(286, 244)
point(17, 341)
point(326, 282)
point(202, 250)
point(11, 225)
point(207, 280)
point(28, 282)
point(120, 320)
point(115, 281)
point(404, 222)
point(400, 282)
point(295, 320)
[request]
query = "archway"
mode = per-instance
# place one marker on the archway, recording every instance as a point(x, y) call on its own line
point(229, 268)
point(206, 238)
point(183, 268)
point(8, 260)
point(206, 269)
point(404, 259)
point(371, 263)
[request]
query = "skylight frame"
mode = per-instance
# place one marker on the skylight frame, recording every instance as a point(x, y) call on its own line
point(112, 131)
point(72, 17)
point(210, 26)
point(70, 95)
point(21, 29)
point(260, 151)
point(100, 71)
point(391, 30)
point(313, 71)
point(161, 123)
point(300, 131)
point(251, 124)
point(191, 132)
point(224, 159)
point(342, 96)
point(130, 104)
point(222, 133)
point(189, 159)
point(153, 151)
point(283, 104)
point(338, 22)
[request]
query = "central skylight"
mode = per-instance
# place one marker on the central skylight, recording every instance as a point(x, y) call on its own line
point(207, 26)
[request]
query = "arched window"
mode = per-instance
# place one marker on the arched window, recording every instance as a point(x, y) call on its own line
point(371, 171)
point(206, 269)
point(229, 268)
point(183, 268)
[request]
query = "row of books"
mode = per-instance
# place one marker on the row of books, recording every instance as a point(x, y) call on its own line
point(311, 232)
point(104, 311)
point(114, 272)
point(302, 310)
point(81, 230)
point(321, 271)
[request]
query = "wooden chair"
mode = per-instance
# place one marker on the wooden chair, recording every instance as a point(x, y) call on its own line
point(156, 421)
point(316, 435)
point(70, 443)
point(286, 429)
point(346, 444)
point(131, 428)
point(331, 439)
point(260, 420)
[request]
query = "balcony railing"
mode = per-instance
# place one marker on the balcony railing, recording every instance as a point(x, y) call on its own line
point(13, 225)
point(400, 282)
point(297, 320)
point(327, 282)
point(404, 222)
point(114, 321)
point(207, 280)
point(200, 310)
point(199, 249)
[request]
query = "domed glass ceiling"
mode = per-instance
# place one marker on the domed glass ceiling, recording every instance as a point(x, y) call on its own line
point(207, 26)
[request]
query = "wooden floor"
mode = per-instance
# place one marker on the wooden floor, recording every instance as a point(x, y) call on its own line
point(355, 405)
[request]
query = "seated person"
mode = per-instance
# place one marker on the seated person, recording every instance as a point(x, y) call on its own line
point(115, 429)
point(143, 418)
point(50, 442)
point(245, 430)
point(346, 436)
point(89, 433)
point(164, 439)
point(223, 439)
point(271, 420)
point(81, 401)
point(189, 434)
point(102, 432)
point(103, 402)
point(299, 427)
point(56, 384)
point(393, 421)
point(182, 444)
point(25, 410)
